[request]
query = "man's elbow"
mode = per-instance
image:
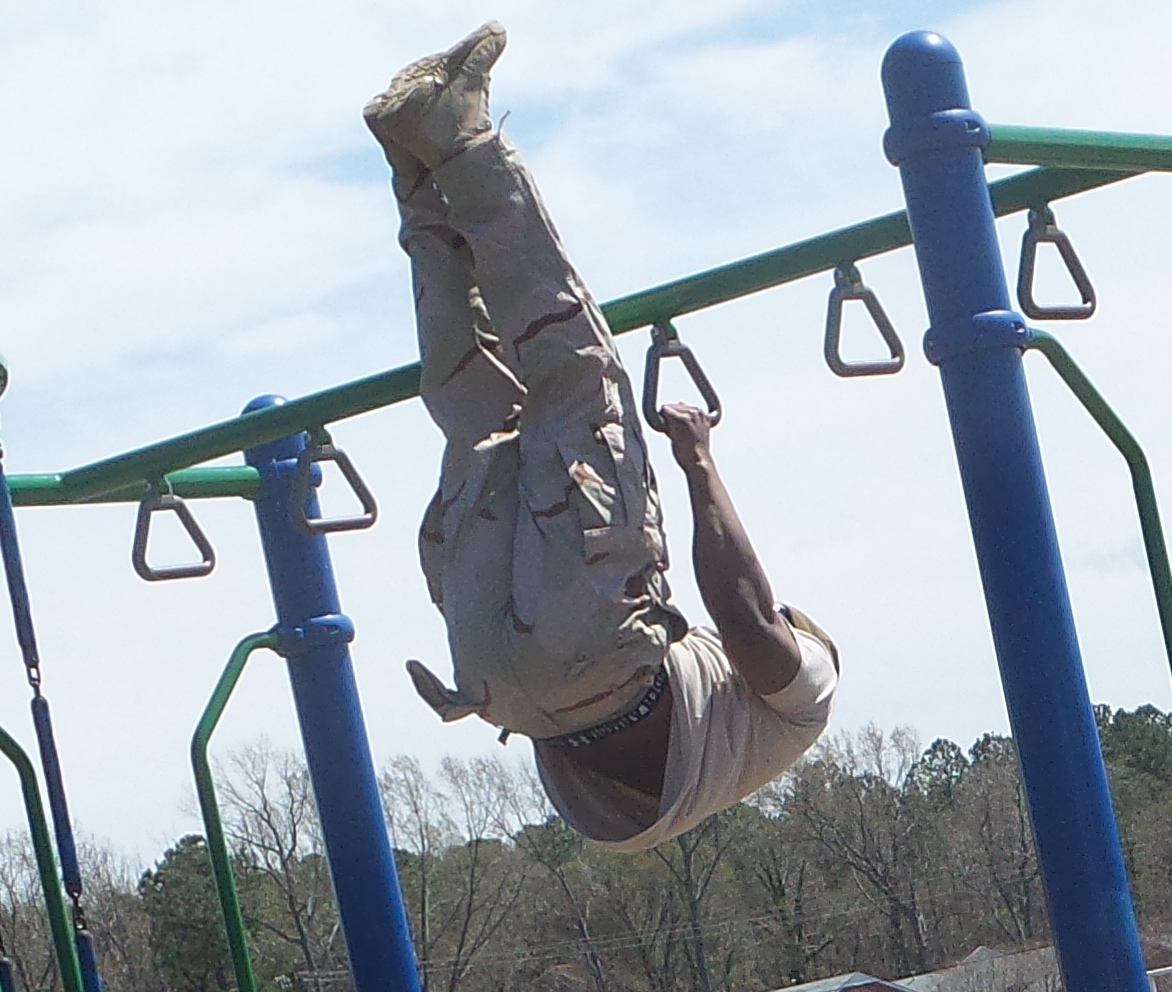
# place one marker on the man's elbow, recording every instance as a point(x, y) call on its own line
point(767, 659)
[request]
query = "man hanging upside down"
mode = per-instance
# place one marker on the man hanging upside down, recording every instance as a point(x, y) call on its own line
point(544, 546)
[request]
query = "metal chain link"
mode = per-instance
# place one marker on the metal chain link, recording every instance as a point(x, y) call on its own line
point(77, 911)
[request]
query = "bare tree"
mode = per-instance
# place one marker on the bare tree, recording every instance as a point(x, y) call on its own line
point(993, 846)
point(547, 840)
point(773, 858)
point(646, 909)
point(487, 880)
point(463, 876)
point(692, 860)
point(23, 922)
point(118, 920)
point(421, 828)
point(271, 821)
point(852, 799)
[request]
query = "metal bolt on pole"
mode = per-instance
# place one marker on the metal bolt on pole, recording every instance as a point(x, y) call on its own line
point(936, 139)
point(314, 635)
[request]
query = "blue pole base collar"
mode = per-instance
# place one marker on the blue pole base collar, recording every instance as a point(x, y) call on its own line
point(991, 330)
point(945, 129)
point(316, 632)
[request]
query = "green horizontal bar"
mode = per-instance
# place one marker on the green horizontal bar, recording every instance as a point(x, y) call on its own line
point(1017, 145)
point(191, 483)
point(824, 252)
point(245, 431)
point(115, 478)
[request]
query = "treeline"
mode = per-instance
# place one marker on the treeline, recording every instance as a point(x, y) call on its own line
point(875, 855)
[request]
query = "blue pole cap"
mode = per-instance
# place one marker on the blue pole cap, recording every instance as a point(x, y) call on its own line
point(927, 99)
point(922, 73)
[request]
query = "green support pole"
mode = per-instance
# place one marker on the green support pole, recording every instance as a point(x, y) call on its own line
point(1137, 463)
point(213, 827)
point(59, 924)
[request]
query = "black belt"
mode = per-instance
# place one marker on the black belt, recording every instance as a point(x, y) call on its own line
point(642, 710)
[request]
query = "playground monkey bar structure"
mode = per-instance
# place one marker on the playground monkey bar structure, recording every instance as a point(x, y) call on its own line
point(940, 146)
point(122, 477)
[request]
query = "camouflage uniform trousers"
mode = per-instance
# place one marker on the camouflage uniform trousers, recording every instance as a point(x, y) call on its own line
point(543, 546)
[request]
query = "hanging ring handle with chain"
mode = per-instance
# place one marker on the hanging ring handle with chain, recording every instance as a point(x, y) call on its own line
point(1043, 229)
point(849, 285)
point(154, 501)
point(665, 343)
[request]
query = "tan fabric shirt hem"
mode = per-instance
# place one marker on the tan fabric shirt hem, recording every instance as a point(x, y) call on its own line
point(726, 742)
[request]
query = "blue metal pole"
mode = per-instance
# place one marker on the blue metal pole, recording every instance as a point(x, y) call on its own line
point(975, 339)
point(314, 636)
point(42, 722)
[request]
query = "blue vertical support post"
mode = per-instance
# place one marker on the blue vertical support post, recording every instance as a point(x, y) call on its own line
point(936, 139)
point(314, 637)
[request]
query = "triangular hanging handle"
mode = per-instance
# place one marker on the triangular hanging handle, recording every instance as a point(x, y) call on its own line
point(666, 343)
point(321, 449)
point(153, 502)
point(1043, 229)
point(848, 285)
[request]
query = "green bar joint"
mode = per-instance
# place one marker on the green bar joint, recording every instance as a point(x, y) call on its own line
point(59, 925)
point(1012, 144)
point(210, 810)
point(1137, 463)
point(122, 477)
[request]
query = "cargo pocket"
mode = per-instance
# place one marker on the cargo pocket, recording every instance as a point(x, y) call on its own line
point(613, 555)
point(594, 459)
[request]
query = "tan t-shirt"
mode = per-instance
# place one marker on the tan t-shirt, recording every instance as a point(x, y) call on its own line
point(726, 742)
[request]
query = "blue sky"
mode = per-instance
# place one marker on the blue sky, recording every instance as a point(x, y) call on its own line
point(194, 214)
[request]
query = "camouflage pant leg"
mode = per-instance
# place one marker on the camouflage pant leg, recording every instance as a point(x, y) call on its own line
point(565, 498)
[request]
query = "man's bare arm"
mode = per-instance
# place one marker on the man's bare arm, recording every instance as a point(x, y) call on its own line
point(733, 585)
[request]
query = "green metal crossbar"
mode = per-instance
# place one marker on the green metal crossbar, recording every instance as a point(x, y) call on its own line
point(122, 477)
point(59, 924)
point(1141, 475)
point(1015, 145)
point(208, 806)
point(208, 482)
